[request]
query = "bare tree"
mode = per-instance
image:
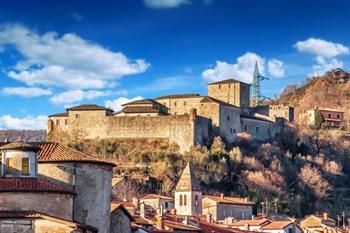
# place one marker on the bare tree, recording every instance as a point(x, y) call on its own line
point(126, 190)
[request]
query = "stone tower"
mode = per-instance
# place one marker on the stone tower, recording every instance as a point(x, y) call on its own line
point(188, 194)
point(231, 91)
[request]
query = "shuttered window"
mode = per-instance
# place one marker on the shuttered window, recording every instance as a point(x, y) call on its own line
point(25, 166)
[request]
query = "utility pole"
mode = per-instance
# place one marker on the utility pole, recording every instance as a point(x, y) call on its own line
point(256, 94)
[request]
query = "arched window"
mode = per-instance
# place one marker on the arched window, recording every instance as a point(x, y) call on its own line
point(185, 200)
point(181, 200)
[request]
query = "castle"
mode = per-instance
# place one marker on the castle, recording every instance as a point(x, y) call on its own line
point(185, 119)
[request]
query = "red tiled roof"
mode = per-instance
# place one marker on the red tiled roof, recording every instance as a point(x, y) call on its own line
point(277, 225)
point(115, 206)
point(31, 185)
point(19, 145)
point(53, 152)
point(216, 228)
point(229, 200)
point(155, 196)
point(178, 96)
point(254, 222)
point(88, 107)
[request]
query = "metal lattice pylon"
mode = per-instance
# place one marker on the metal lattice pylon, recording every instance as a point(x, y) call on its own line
point(256, 94)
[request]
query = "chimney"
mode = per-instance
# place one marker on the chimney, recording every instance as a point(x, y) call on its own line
point(208, 217)
point(222, 196)
point(84, 215)
point(325, 216)
point(246, 200)
point(246, 227)
point(135, 202)
point(142, 210)
point(185, 221)
point(253, 217)
point(160, 222)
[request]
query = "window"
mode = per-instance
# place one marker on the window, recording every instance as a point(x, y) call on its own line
point(268, 130)
point(257, 129)
point(25, 166)
point(231, 130)
point(185, 200)
point(184, 103)
point(77, 116)
point(329, 115)
point(175, 103)
point(219, 86)
point(338, 116)
point(290, 230)
point(10, 162)
point(166, 205)
point(245, 127)
point(66, 121)
point(228, 118)
point(57, 122)
point(234, 130)
point(181, 203)
point(196, 200)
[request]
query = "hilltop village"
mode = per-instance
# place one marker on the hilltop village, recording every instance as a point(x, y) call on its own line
point(51, 187)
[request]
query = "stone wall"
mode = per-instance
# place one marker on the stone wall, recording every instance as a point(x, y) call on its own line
point(259, 129)
point(56, 204)
point(184, 130)
point(236, 93)
point(230, 123)
point(180, 106)
point(120, 222)
point(92, 184)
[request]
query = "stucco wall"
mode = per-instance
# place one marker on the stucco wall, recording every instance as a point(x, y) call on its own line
point(56, 204)
point(92, 184)
point(120, 222)
point(34, 226)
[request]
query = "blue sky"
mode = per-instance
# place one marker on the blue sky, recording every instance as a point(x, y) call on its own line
point(63, 53)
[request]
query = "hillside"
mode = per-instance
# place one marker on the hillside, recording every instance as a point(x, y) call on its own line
point(324, 91)
point(25, 135)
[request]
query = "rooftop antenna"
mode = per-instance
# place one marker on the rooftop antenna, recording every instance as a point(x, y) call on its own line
point(256, 94)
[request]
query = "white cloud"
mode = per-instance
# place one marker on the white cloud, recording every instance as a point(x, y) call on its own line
point(74, 96)
point(28, 122)
point(68, 61)
point(116, 104)
point(158, 4)
point(242, 70)
point(25, 91)
point(323, 65)
point(321, 47)
point(276, 68)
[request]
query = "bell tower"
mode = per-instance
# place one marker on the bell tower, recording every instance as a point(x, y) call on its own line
point(188, 194)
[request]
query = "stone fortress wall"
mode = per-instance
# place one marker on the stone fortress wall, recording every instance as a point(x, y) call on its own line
point(184, 119)
point(184, 130)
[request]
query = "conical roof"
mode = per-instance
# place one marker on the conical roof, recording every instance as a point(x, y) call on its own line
point(188, 181)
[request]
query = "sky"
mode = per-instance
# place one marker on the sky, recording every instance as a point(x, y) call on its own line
point(57, 54)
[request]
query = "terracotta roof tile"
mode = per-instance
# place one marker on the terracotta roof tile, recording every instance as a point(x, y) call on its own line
point(88, 107)
point(52, 151)
point(178, 96)
point(229, 200)
point(155, 196)
point(143, 101)
point(63, 114)
point(228, 81)
point(19, 145)
point(31, 185)
point(253, 222)
point(277, 225)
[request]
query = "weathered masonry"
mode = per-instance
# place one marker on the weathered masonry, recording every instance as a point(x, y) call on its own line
point(184, 119)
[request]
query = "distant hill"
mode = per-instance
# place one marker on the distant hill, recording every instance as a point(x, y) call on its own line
point(330, 90)
point(25, 135)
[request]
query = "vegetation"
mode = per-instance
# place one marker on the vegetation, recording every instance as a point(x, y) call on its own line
point(302, 171)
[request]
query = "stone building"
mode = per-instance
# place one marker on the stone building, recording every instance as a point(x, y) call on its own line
point(120, 219)
point(319, 223)
point(331, 117)
point(188, 194)
point(157, 202)
point(44, 181)
point(220, 207)
point(185, 119)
